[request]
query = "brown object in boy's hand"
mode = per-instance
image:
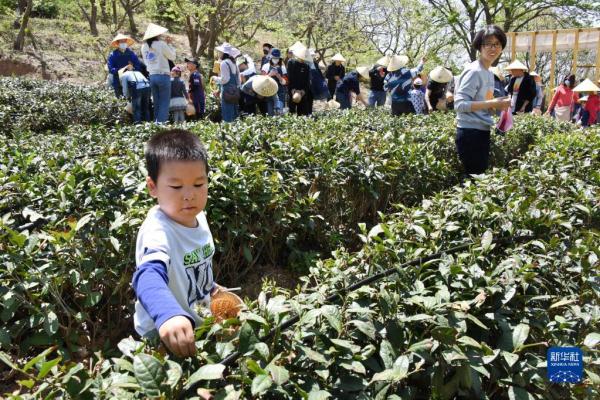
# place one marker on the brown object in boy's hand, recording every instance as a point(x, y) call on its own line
point(225, 305)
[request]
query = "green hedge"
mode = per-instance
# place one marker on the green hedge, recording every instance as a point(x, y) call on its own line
point(475, 324)
point(283, 192)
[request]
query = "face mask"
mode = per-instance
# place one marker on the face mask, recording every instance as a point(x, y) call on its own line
point(568, 82)
point(122, 46)
point(274, 60)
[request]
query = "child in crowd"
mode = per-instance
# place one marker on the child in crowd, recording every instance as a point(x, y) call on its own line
point(174, 247)
point(179, 95)
point(196, 87)
point(417, 97)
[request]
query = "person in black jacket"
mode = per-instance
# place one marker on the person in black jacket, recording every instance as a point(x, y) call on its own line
point(521, 87)
point(377, 75)
point(301, 100)
point(335, 72)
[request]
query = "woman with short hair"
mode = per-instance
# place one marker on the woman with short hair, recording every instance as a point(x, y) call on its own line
point(474, 101)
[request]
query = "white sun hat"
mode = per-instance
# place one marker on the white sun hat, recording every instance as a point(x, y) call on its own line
point(228, 49)
point(364, 72)
point(338, 57)
point(515, 65)
point(397, 62)
point(154, 30)
point(383, 61)
point(264, 85)
point(586, 86)
point(302, 53)
point(121, 36)
point(295, 46)
point(440, 74)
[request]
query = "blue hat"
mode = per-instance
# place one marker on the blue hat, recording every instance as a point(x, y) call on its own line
point(276, 53)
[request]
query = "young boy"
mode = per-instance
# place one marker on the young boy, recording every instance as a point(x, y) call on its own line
point(174, 245)
point(195, 87)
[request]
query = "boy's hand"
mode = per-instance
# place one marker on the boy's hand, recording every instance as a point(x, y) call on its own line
point(177, 334)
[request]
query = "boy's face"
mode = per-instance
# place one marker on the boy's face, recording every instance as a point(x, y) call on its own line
point(181, 190)
point(191, 67)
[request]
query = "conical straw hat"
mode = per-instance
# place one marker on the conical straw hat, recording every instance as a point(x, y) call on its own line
point(516, 65)
point(364, 72)
point(154, 30)
point(383, 61)
point(121, 36)
point(440, 75)
point(397, 62)
point(264, 85)
point(586, 86)
point(338, 57)
point(302, 53)
point(295, 46)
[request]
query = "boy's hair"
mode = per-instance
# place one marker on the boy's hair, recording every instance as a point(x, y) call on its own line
point(173, 145)
point(489, 31)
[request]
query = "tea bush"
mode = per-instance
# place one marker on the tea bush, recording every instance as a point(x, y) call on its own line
point(283, 191)
point(475, 324)
point(41, 106)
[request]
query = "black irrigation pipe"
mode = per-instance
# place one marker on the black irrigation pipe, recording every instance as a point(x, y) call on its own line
point(233, 357)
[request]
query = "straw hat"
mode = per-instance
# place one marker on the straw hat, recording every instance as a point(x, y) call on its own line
point(190, 110)
point(225, 305)
point(297, 97)
point(302, 53)
point(586, 86)
point(515, 65)
point(582, 99)
point(498, 72)
point(364, 72)
point(338, 57)
point(383, 61)
point(264, 85)
point(333, 105)
point(534, 74)
point(295, 46)
point(440, 75)
point(397, 62)
point(228, 49)
point(120, 36)
point(154, 30)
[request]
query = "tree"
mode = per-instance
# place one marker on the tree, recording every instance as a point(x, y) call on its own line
point(466, 17)
point(91, 16)
point(130, 7)
point(19, 42)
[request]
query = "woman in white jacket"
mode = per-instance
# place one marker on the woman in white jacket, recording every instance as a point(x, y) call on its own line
point(156, 52)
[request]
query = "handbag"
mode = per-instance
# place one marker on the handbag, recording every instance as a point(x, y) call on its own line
point(231, 93)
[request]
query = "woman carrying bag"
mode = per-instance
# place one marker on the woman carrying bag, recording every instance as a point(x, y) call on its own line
point(157, 52)
point(229, 80)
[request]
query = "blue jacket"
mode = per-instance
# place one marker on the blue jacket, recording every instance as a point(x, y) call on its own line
point(119, 59)
point(349, 83)
point(399, 82)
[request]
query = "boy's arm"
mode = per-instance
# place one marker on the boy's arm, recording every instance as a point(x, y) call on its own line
point(175, 326)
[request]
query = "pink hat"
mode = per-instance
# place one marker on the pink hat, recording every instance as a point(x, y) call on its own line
point(176, 69)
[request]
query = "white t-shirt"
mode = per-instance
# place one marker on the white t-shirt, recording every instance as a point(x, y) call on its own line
point(156, 57)
point(187, 253)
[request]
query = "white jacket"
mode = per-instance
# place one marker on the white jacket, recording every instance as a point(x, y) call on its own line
point(156, 57)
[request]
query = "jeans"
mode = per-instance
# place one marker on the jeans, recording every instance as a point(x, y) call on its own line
point(345, 100)
point(473, 147)
point(178, 116)
point(377, 97)
point(161, 95)
point(140, 102)
point(229, 112)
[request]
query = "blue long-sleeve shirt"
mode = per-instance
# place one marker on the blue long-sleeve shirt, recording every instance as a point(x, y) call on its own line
point(119, 59)
point(399, 83)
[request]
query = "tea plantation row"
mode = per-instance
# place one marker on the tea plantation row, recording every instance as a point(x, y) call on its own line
point(475, 324)
point(283, 191)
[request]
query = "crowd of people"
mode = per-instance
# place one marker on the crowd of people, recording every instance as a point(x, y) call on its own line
point(277, 84)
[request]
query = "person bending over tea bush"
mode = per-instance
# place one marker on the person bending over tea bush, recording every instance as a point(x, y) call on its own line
point(174, 247)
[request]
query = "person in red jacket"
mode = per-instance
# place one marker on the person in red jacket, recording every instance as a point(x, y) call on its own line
point(590, 110)
point(563, 100)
